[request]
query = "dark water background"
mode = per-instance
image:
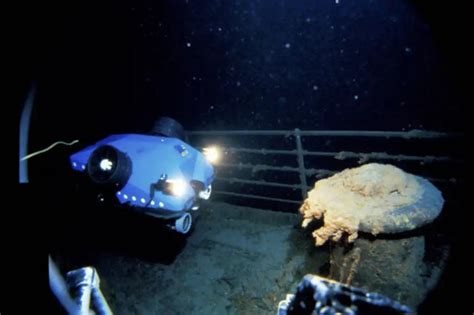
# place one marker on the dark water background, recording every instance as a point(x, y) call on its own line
point(371, 65)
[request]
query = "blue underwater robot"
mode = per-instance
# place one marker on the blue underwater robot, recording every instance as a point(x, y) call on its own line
point(157, 174)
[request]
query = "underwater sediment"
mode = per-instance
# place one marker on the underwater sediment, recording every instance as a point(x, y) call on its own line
point(373, 198)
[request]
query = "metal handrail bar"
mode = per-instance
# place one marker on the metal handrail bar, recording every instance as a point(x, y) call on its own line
point(256, 197)
point(411, 134)
point(259, 182)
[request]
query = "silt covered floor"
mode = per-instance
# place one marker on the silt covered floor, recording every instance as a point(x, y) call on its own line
point(238, 260)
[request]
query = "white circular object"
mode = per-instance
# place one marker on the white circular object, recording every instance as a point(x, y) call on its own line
point(134, 198)
point(161, 204)
point(106, 165)
point(152, 202)
point(206, 194)
point(184, 223)
point(83, 167)
point(74, 164)
point(125, 196)
point(142, 200)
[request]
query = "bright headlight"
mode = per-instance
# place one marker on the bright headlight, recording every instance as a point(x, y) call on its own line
point(176, 187)
point(212, 154)
point(106, 165)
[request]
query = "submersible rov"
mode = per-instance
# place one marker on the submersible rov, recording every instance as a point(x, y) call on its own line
point(157, 174)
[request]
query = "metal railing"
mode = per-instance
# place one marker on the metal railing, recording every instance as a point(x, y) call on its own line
point(301, 153)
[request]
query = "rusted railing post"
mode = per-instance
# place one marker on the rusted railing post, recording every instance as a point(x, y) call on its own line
point(302, 170)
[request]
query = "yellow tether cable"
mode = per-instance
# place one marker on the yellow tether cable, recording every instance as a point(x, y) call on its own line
point(47, 149)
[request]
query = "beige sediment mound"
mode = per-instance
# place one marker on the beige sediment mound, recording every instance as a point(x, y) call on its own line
point(373, 198)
